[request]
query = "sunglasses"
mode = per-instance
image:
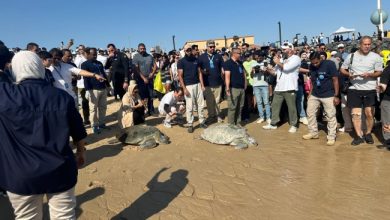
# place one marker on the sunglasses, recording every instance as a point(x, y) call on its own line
point(211, 46)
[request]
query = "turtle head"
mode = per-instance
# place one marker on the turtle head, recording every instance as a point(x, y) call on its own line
point(121, 136)
point(163, 139)
point(252, 141)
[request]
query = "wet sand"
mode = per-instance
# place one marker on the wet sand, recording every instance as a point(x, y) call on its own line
point(286, 177)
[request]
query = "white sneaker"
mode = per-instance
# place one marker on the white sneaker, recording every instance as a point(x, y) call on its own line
point(304, 120)
point(167, 124)
point(220, 120)
point(342, 129)
point(260, 120)
point(292, 129)
point(269, 127)
point(269, 121)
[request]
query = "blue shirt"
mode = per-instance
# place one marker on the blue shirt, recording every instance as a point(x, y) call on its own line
point(36, 120)
point(237, 75)
point(189, 65)
point(321, 78)
point(94, 66)
point(212, 64)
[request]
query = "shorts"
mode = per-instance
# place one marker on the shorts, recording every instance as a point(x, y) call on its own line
point(361, 98)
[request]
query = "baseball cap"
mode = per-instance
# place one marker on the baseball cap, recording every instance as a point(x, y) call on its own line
point(340, 46)
point(287, 46)
point(210, 43)
point(333, 53)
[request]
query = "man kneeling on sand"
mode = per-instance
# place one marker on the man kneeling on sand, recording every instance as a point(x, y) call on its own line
point(169, 106)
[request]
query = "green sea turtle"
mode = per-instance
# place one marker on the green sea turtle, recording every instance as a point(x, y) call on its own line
point(144, 136)
point(228, 134)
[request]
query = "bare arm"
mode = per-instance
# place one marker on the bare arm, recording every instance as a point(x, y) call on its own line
point(181, 80)
point(80, 153)
point(201, 78)
point(227, 82)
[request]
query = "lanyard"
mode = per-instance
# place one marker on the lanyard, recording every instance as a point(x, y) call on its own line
point(59, 72)
point(211, 61)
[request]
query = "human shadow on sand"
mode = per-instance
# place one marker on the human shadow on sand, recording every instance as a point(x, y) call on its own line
point(87, 196)
point(157, 198)
point(98, 153)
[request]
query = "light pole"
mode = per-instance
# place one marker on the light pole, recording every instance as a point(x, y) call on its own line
point(380, 18)
point(280, 34)
point(174, 44)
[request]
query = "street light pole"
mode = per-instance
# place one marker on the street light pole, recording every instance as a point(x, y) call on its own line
point(380, 18)
point(174, 44)
point(280, 34)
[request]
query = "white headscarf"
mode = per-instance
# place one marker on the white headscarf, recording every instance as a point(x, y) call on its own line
point(27, 65)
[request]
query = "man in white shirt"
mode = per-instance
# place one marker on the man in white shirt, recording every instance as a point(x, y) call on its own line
point(101, 57)
point(168, 105)
point(363, 68)
point(62, 73)
point(80, 58)
point(286, 87)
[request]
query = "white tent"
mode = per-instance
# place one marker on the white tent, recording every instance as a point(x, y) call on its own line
point(343, 30)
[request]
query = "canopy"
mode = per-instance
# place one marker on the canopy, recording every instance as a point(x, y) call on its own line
point(343, 30)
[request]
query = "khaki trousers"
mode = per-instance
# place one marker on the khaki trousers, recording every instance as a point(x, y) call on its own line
point(97, 106)
point(313, 104)
point(195, 100)
point(213, 97)
point(61, 205)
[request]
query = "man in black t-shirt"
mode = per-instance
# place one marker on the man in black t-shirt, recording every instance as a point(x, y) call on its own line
point(210, 65)
point(325, 92)
point(118, 64)
point(191, 81)
point(385, 105)
point(235, 80)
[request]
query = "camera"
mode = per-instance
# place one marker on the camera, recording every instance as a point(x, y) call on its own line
point(257, 69)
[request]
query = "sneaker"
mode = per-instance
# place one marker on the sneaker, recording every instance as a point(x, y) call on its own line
point(292, 129)
point(96, 130)
point(103, 126)
point(220, 120)
point(87, 124)
point(167, 124)
point(260, 120)
point(357, 141)
point(304, 120)
point(203, 125)
point(310, 136)
point(368, 138)
point(269, 127)
point(269, 121)
point(331, 142)
point(342, 129)
point(190, 129)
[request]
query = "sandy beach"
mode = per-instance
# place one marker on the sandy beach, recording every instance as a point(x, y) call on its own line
point(285, 177)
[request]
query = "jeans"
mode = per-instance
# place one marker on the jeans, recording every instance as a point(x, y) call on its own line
point(262, 97)
point(300, 102)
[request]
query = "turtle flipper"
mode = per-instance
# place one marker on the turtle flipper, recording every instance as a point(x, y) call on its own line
point(148, 144)
point(113, 141)
point(239, 144)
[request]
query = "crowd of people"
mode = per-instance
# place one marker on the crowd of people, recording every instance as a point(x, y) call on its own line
point(41, 92)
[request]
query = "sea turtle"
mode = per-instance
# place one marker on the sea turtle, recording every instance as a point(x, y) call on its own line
point(228, 134)
point(144, 136)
